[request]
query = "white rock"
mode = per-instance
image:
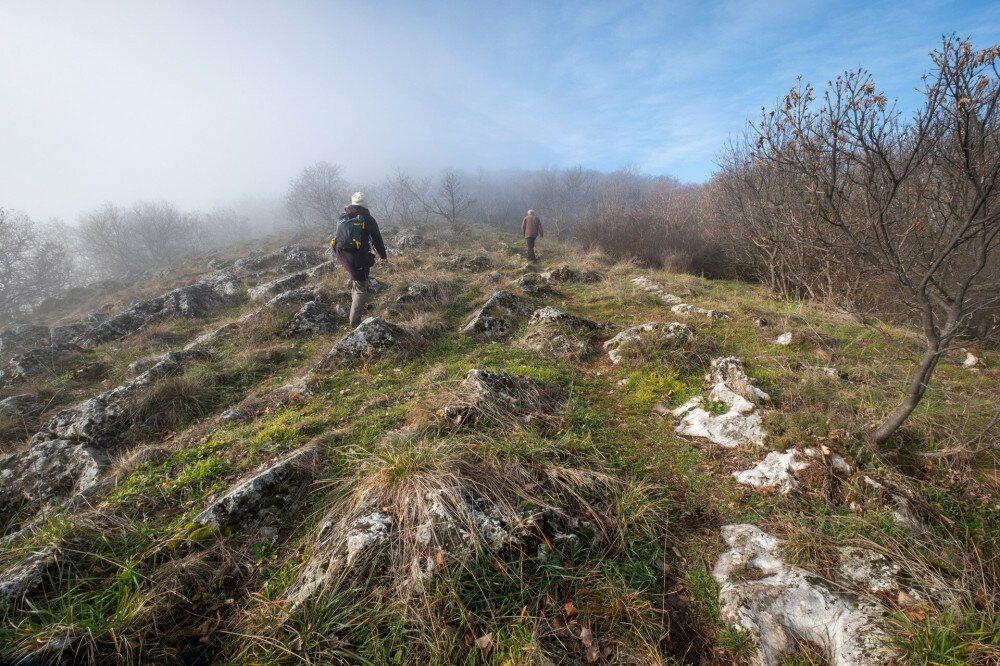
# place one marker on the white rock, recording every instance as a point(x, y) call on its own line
point(654, 331)
point(971, 361)
point(784, 339)
point(297, 296)
point(555, 333)
point(322, 269)
point(206, 338)
point(498, 316)
point(314, 318)
point(777, 470)
point(373, 338)
point(194, 300)
point(902, 512)
point(19, 406)
point(266, 497)
point(741, 423)
point(865, 569)
point(688, 309)
point(24, 577)
point(365, 533)
point(646, 284)
point(101, 419)
point(47, 472)
point(782, 606)
point(566, 274)
point(279, 286)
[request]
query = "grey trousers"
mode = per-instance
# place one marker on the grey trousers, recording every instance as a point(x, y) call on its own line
point(530, 240)
point(359, 298)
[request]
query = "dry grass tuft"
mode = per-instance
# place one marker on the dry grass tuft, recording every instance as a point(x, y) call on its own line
point(417, 506)
point(174, 401)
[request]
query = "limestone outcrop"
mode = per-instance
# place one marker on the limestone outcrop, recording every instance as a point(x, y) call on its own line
point(739, 422)
point(551, 331)
point(498, 317)
point(659, 335)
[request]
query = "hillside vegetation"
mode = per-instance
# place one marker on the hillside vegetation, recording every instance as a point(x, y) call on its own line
point(228, 474)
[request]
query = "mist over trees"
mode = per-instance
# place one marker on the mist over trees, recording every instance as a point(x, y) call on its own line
point(33, 263)
point(316, 197)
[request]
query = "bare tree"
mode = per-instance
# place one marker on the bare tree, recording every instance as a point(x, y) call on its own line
point(399, 199)
point(120, 241)
point(163, 232)
point(34, 265)
point(852, 191)
point(450, 201)
point(108, 241)
point(315, 197)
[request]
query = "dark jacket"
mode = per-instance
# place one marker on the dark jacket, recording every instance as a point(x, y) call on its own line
point(358, 263)
point(531, 226)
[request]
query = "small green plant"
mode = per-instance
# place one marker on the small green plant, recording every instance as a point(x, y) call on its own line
point(737, 644)
point(644, 389)
point(716, 407)
point(968, 636)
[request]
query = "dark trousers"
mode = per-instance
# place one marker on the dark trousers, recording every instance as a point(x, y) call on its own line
point(530, 240)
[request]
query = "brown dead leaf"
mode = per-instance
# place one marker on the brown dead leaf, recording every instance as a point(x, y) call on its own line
point(570, 609)
point(208, 627)
point(914, 609)
point(592, 652)
point(559, 630)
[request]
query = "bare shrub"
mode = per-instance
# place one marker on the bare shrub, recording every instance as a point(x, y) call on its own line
point(657, 221)
point(842, 198)
point(175, 401)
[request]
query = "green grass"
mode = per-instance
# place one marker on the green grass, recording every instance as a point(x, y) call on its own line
point(667, 530)
point(967, 636)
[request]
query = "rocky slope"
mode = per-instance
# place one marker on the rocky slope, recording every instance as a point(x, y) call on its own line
point(570, 462)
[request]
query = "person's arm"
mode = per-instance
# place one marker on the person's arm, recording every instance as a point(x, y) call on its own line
point(376, 238)
point(539, 226)
point(524, 226)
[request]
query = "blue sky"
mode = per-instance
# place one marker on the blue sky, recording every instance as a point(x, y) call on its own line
point(206, 102)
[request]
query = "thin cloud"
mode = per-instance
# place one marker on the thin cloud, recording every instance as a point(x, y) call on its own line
point(206, 103)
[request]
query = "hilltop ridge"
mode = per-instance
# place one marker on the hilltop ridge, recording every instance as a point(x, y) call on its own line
point(571, 461)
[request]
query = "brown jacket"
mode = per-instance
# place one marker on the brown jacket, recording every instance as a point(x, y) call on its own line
point(531, 226)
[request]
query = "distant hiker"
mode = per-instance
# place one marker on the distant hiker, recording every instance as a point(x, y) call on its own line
point(357, 232)
point(531, 228)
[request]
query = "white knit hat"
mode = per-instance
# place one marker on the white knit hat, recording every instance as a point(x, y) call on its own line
point(358, 199)
point(531, 212)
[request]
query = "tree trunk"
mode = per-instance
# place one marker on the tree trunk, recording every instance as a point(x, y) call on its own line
point(919, 379)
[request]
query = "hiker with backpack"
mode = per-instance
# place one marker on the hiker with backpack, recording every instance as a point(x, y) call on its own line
point(357, 232)
point(531, 228)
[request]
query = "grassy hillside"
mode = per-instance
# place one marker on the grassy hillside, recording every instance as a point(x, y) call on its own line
point(138, 579)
